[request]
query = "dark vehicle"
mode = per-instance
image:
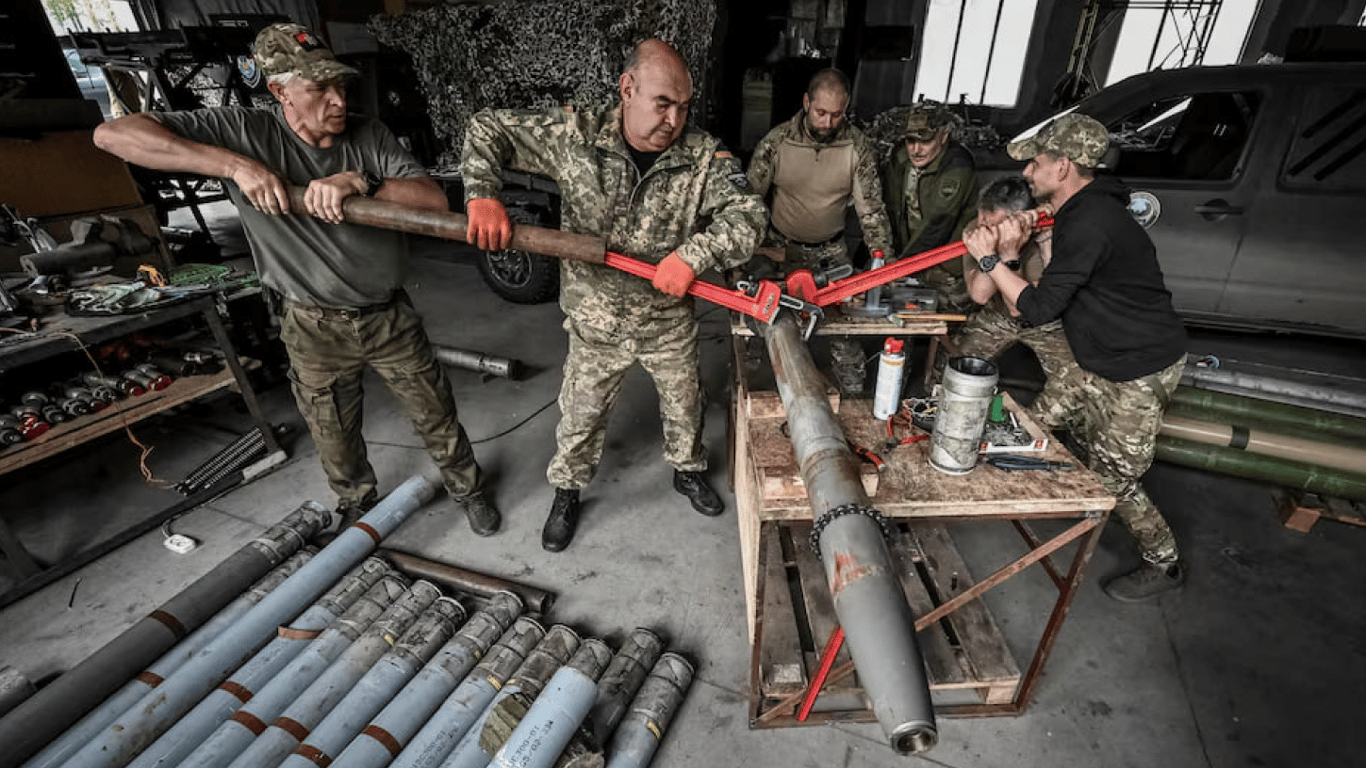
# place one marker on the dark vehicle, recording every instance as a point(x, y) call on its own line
point(1251, 180)
point(90, 79)
point(516, 275)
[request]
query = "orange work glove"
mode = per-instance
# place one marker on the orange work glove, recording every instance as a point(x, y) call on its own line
point(673, 275)
point(489, 228)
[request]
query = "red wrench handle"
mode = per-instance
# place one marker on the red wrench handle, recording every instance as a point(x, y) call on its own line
point(856, 284)
point(761, 306)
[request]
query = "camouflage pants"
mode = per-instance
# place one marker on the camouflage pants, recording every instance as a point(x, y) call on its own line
point(328, 356)
point(990, 332)
point(952, 288)
point(1115, 424)
point(593, 373)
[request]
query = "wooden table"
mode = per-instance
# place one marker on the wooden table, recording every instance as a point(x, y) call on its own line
point(788, 604)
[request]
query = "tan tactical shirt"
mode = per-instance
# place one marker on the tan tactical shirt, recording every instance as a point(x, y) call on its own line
point(812, 182)
point(1031, 269)
point(694, 200)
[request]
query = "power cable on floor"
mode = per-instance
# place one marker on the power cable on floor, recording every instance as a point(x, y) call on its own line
point(516, 426)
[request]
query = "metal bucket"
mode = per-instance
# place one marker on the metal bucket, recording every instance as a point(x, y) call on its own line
point(969, 384)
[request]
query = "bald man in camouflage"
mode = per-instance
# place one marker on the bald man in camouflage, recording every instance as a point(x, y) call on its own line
point(656, 190)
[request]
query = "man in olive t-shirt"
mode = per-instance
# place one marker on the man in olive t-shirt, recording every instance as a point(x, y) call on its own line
point(345, 308)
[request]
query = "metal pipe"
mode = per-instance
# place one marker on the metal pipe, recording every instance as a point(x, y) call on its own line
point(75, 737)
point(473, 750)
point(310, 707)
point(191, 730)
point(384, 737)
point(1291, 474)
point(1341, 394)
point(451, 226)
point(1265, 443)
point(237, 447)
point(475, 583)
point(869, 600)
point(634, 742)
point(470, 360)
point(968, 386)
point(379, 684)
point(47, 713)
point(537, 738)
point(1258, 411)
point(143, 723)
point(434, 741)
point(367, 620)
point(14, 687)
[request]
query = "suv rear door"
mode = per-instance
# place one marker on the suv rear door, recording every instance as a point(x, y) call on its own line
point(1301, 258)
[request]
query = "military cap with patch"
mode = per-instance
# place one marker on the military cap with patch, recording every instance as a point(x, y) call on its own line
point(924, 123)
point(1078, 137)
point(282, 48)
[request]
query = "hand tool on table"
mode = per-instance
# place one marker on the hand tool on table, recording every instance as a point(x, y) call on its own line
point(1011, 462)
point(866, 455)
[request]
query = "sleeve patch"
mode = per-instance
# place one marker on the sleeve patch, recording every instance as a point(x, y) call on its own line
point(740, 180)
point(950, 187)
point(723, 154)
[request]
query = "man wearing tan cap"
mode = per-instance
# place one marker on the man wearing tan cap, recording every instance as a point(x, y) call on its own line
point(931, 191)
point(342, 284)
point(1129, 343)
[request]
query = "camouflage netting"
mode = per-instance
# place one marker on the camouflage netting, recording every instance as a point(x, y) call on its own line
point(536, 53)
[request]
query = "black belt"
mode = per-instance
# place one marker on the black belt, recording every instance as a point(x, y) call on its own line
point(352, 313)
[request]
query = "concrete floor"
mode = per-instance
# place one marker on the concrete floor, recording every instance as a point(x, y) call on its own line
point(1259, 661)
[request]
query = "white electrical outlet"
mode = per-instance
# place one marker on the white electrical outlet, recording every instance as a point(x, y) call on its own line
point(180, 544)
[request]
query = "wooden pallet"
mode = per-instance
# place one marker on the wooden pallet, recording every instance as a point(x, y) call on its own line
point(1299, 511)
point(965, 655)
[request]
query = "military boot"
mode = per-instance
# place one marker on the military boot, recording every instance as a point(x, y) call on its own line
point(695, 487)
point(564, 517)
point(484, 519)
point(1146, 581)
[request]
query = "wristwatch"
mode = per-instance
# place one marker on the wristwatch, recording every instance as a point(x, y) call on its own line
point(988, 262)
point(1012, 264)
point(372, 183)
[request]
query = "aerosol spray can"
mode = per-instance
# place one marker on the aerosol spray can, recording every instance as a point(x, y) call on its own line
point(890, 367)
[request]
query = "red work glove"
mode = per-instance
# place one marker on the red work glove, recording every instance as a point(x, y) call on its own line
point(489, 228)
point(673, 275)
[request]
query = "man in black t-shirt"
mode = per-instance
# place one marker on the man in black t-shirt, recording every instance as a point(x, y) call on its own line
point(1129, 343)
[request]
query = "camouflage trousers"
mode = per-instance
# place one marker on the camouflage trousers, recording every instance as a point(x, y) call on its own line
point(1115, 425)
point(328, 355)
point(989, 332)
point(952, 288)
point(593, 372)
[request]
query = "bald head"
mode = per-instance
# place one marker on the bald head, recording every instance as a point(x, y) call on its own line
point(825, 101)
point(656, 91)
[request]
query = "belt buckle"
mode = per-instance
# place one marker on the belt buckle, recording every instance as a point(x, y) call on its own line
point(349, 314)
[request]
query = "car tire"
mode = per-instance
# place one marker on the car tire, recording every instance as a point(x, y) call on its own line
point(518, 276)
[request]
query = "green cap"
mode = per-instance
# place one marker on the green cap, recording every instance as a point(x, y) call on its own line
point(282, 48)
point(1082, 139)
point(924, 123)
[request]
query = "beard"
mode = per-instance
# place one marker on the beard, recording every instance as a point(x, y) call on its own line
point(820, 136)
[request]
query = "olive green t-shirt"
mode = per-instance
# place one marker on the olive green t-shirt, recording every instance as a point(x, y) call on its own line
point(309, 260)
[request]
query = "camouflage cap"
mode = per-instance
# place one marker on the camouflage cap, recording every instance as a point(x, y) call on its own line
point(922, 123)
point(1074, 135)
point(282, 48)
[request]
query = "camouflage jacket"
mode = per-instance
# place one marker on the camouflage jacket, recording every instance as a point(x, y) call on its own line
point(789, 142)
point(947, 196)
point(694, 201)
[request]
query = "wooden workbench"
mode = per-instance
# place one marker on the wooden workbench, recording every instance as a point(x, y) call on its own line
point(789, 609)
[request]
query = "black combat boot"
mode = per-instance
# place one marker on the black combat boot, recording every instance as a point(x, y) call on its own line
point(695, 487)
point(484, 519)
point(564, 517)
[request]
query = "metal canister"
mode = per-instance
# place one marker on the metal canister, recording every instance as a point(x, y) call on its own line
point(890, 368)
point(968, 386)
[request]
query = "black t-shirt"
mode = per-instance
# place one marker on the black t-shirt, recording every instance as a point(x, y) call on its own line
point(1105, 283)
point(643, 160)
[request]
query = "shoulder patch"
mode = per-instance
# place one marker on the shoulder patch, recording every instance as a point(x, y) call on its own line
point(950, 186)
point(722, 154)
point(740, 180)
point(569, 108)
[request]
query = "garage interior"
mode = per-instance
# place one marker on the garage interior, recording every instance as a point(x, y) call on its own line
point(1255, 661)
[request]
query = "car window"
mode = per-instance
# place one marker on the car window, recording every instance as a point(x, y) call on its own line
point(1328, 151)
point(1193, 137)
point(78, 67)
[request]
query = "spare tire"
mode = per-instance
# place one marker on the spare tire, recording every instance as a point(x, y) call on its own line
point(518, 276)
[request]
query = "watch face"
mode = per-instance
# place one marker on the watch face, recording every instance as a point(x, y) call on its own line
point(988, 262)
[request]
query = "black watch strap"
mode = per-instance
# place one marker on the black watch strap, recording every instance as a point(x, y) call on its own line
point(372, 183)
